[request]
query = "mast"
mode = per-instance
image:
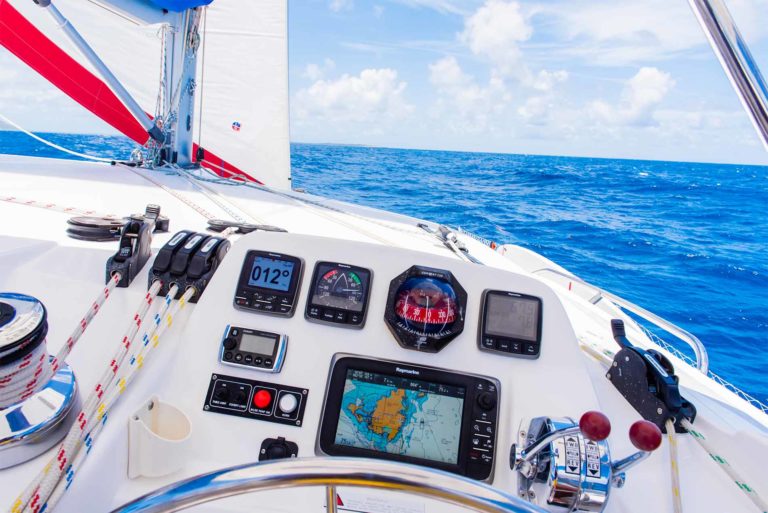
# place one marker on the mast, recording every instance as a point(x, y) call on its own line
point(179, 88)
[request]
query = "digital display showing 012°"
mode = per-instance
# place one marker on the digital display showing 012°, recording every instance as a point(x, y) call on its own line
point(271, 273)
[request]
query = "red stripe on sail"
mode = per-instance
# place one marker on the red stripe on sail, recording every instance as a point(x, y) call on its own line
point(221, 167)
point(30, 45)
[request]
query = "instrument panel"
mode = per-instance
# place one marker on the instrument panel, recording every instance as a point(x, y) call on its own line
point(411, 313)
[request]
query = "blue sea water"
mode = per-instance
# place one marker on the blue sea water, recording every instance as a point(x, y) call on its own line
point(686, 241)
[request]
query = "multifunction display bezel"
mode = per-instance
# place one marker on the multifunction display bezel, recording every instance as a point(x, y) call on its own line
point(335, 316)
point(509, 345)
point(233, 352)
point(266, 300)
point(478, 426)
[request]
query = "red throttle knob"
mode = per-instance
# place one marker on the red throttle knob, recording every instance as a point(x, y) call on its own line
point(262, 399)
point(595, 425)
point(645, 435)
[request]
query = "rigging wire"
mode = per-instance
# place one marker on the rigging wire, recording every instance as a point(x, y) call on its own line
point(239, 182)
point(319, 206)
point(194, 206)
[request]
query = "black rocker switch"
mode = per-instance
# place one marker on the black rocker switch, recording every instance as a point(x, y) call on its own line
point(277, 449)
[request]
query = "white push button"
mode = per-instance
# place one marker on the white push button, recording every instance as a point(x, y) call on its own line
point(288, 403)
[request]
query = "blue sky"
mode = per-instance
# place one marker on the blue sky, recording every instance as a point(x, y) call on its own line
point(630, 79)
point(607, 78)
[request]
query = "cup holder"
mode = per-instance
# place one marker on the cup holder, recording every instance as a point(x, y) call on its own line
point(158, 440)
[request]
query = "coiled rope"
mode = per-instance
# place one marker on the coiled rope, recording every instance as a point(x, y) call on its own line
point(27, 376)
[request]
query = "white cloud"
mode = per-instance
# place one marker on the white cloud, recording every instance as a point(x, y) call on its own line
point(546, 80)
point(619, 33)
point(21, 88)
point(375, 95)
point(341, 5)
point(494, 31)
point(641, 94)
point(315, 72)
point(463, 104)
point(442, 6)
point(8, 75)
point(378, 10)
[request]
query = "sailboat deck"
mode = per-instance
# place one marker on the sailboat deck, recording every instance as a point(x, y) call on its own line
point(37, 258)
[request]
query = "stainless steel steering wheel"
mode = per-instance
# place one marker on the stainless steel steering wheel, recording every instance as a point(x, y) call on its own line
point(329, 472)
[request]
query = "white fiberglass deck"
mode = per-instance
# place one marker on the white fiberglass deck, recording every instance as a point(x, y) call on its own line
point(37, 258)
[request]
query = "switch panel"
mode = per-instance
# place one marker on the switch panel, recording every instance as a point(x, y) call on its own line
point(256, 400)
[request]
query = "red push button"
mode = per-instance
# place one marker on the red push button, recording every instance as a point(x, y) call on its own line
point(262, 399)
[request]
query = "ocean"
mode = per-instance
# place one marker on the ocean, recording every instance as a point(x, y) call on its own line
point(686, 241)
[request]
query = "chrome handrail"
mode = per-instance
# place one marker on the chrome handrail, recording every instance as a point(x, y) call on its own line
point(702, 358)
point(737, 61)
point(330, 472)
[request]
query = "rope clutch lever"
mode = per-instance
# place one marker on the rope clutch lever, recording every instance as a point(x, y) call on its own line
point(647, 380)
point(134, 248)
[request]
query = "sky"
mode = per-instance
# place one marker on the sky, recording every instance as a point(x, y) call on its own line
point(602, 78)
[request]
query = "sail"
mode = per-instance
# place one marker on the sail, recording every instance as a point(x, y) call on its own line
point(243, 87)
point(242, 94)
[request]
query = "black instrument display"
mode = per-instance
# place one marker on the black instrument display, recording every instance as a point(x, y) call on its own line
point(339, 294)
point(402, 412)
point(271, 273)
point(269, 283)
point(511, 324)
point(253, 349)
point(425, 308)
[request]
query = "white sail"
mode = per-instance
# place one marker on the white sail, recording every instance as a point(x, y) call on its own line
point(243, 87)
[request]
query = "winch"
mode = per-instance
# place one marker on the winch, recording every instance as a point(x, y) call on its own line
point(36, 409)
